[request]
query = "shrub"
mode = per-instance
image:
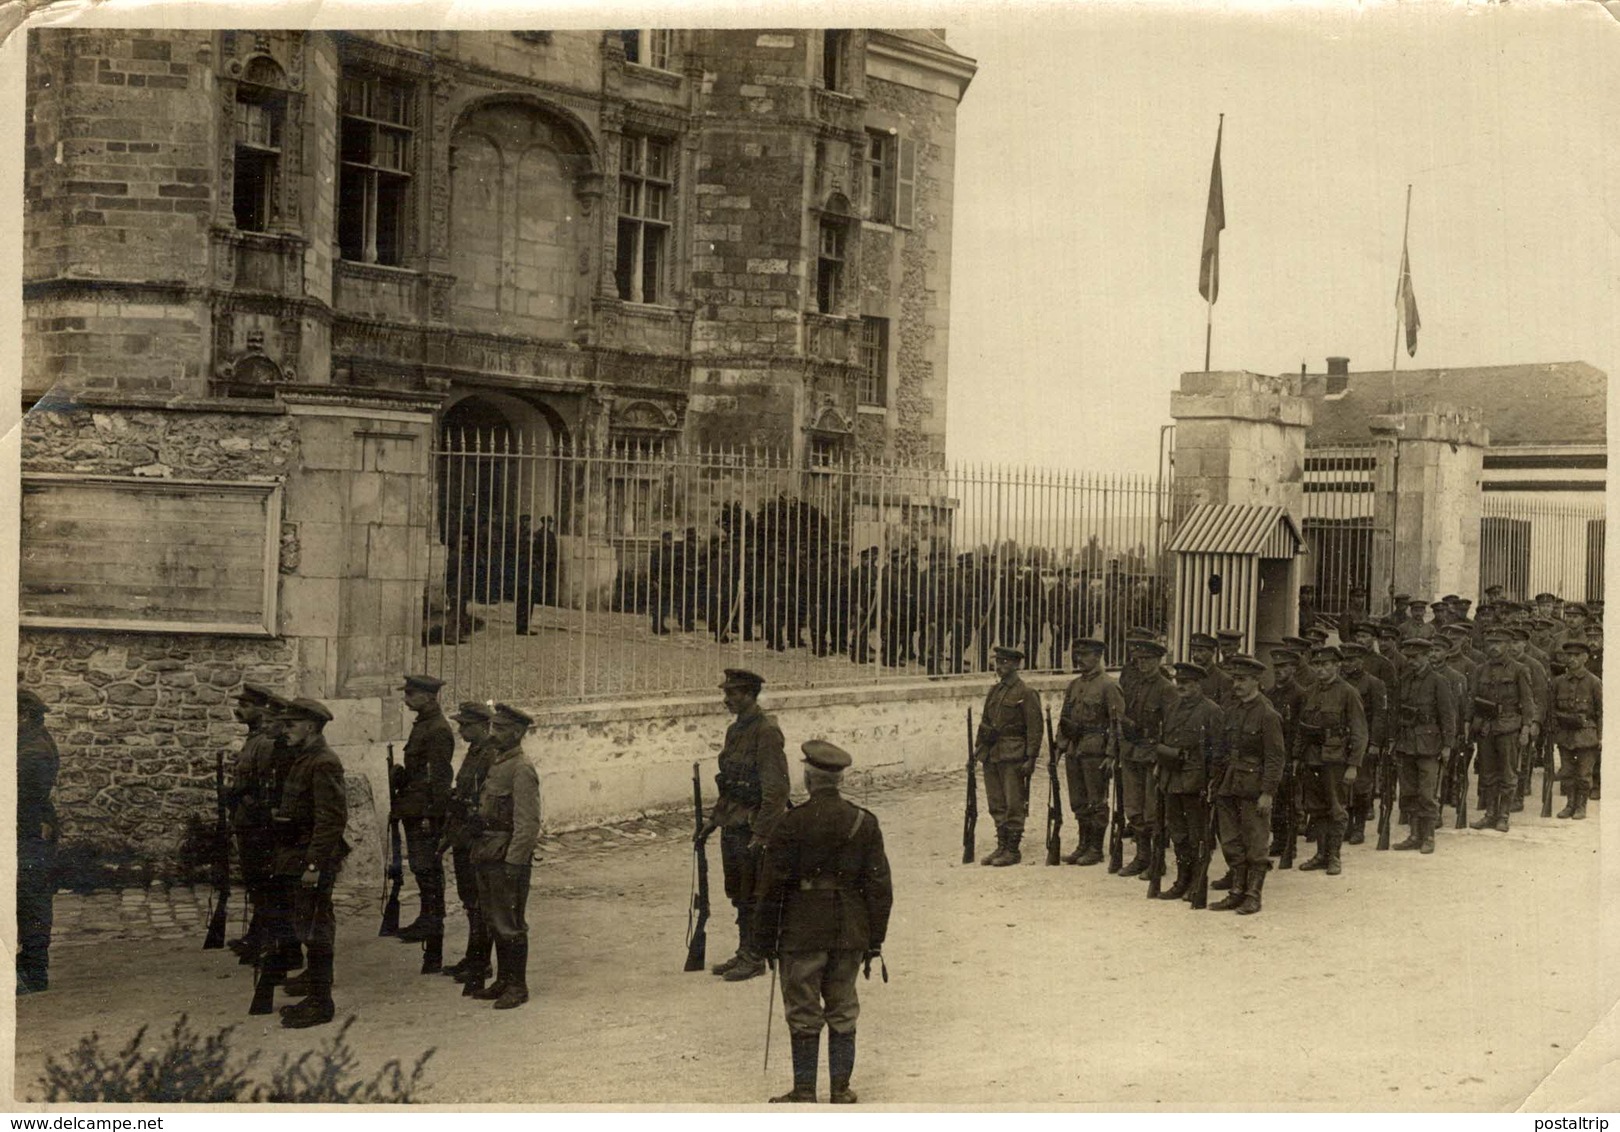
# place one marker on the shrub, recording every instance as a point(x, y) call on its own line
point(193, 1067)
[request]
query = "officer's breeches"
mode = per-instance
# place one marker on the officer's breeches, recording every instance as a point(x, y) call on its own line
point(504, 901)
point(1007, 794)
point(422, 848)
point(1419, 783)
point(1243, 830)
point(817, 987)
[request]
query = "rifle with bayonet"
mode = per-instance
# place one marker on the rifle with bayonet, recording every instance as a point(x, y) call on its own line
point(697, 917)
point(1116, 821)
point(1054, 799)
point(1286, 798)
point(394, 865)
point(1386, 794)
point(222, 858)
point(970, 816)
point(1465, 755)
point(1156, 842)
point(1547, 774)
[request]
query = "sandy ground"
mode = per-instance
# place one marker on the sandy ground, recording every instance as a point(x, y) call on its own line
point(1457, 981)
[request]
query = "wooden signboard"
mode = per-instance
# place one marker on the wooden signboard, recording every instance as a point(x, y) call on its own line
point(149, 555)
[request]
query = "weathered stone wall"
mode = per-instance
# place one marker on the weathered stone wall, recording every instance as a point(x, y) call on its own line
point(250, 442)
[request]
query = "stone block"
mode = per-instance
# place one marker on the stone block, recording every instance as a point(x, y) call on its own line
point(323, 550)
point(328, 443)
point(388, 551)
point(315, 496)
point(309, 607)
point(365, 498)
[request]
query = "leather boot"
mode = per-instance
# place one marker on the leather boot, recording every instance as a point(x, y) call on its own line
point(1504, 803)
point(1357, 831)
point(749, 965)
point(478, 948)
point(503, 962)
point(1414, 837)
point(1569, 807)
point(1487, 814)
point(1582, 792)
point(1334, 836)
point(480, 962)
point(1001, 847)
point(516, 992)
point(1224, 884)
point(1319, 859)
point(299, 986)
point(1009, 854)
point(1095, 832)
point(317, 1009)
point(806, 1052)
point(1080, 846)
point(1183, 873)
point(742, 947)
point(1427, 832)
point(433, 954)
point(840, 1064)
point(415, 931)
point(1139, 863)
point(1233, 898)
point(1251, 895)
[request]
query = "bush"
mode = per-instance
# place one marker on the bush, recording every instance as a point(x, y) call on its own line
point(192, 1067)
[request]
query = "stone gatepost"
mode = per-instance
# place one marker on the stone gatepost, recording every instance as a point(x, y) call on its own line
point(1240, 438)
point(1427, 503)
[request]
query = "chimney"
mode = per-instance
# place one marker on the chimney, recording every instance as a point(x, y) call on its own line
point(1338, 375)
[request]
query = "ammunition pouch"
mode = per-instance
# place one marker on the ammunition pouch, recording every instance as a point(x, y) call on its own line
point(1312, 734)
point(1569, 720)
point(1486, 709)
point(739, 789)
point(988, 736)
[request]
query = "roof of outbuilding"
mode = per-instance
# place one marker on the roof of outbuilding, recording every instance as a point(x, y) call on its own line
point(1547, 403)
point(1235, 528)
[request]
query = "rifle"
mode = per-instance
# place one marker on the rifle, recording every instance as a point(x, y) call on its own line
point(1054, 799)
point(697, 916)
point(1290, 819)
point(1464, 755)
point(393, 867)
point(1386, 797)
point(1116, 822)
point(215, 938)
point(970, 817)
point(1199, 889)
point(1156, 845)
point(1547, 774)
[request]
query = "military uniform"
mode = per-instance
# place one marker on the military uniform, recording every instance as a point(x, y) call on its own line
point(824, 907)
point(462, 826)
point(37, 832)
point(753, 795)
point(502, 852)
point(1330, 738)
point(421, 800)
point(255, 787)
point(1189, 746)
point(1425, 727)
point(309, 820)
point(1147, 698)
point(1503, 704)
point(1577, 721)
point(1253, 744)
point(1093, 709)
point(1540, 686)
point(1008, 743)
point(1374, 696)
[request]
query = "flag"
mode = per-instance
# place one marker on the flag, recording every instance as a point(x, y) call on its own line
point(1407, 304)
point(1209, 264)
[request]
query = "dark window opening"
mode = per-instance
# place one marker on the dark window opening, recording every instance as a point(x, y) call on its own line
point(874, 359)
point(830, 267)
point(375, 146)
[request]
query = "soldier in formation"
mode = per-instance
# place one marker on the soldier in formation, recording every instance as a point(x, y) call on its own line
point(421, 800)
point(1008, 743)
point(1088, 736)
point(501, 852)
point(462, 826)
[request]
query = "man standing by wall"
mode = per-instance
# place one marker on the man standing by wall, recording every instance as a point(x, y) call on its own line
point(421, 799)
point(37, 763)
point(824, 907)
point(1009, 744)
point(753, 788)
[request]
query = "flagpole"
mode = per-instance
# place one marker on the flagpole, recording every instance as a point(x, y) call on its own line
point(1209, 326)
point(1395, 351)
point(1214, 277)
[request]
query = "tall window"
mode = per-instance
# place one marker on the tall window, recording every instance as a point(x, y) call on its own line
point(258, 157)
point(651, 47)
point(834, 48)
point(830, 267)
point(880, 179)
point(874, 358)
point(646, 189)
point(375, 172)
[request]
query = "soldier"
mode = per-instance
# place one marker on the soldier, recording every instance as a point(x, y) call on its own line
point(1398, 606)
point(689, 558)
point(1503, 704)
point(1217, 685)
point(661, 581)
point(309, 822)
point(1188, 747)
point(1415, 625)
point(1425, 736)
point(255, 787)
point(824, 908)
point(1147, 697)
point(1374, 696)
point(473, 720)
point(1009, 745)
point(893, 597)
point(1253, 745)
point(1448, 660)
point(1365, 633)
point(37, 831)
point(753, 794)
point(1230, 642)
point(1088, 735)
point(863, 584)
point(1540, 684)
point(502, 852)
point(1577, 720)
point(1355, 612)
point(421, 799)
point(1330, 743)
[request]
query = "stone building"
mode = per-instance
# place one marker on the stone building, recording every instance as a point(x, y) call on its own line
point(264, 272)
point(725, 235)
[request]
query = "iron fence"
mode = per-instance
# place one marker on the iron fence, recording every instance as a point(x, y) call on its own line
point(564, 574)
point(1529, 546)
point(1338, 525)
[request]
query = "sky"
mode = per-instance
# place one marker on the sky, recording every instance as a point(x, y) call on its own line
point(1082, 170)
